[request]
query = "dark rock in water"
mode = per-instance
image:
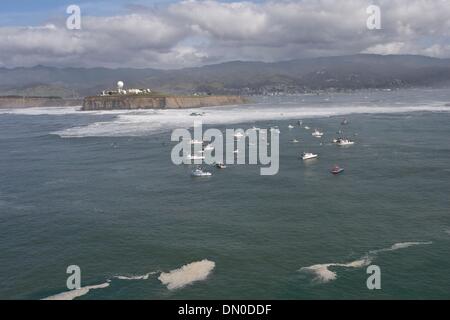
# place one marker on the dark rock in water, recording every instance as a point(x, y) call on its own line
point(131, 102)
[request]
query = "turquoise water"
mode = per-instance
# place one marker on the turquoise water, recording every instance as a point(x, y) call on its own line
point(99, 190)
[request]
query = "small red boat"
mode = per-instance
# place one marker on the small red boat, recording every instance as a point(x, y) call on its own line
point(336, 170)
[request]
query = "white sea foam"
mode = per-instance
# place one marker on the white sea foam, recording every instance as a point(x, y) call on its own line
point(323, 274)
point(137, 277)
point(70, 295)
point(145, 122)
point(187, 274)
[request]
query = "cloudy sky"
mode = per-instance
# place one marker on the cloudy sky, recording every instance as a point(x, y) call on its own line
point(175, 34)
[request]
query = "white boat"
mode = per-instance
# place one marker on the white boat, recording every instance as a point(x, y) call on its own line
point(290, 126)
point(238, 135)
point(208, 148)
point(307, 128)
point(195, 157)
point(294, 141)
point(308, 155)
point(221, 166)
point(317, 134)
point(196, 142)
point(200, 173)
point(275, 129)
point(345, 142)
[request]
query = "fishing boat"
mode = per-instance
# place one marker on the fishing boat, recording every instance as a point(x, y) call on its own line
point(308, 156)
point(200, 173)
point(336, 170)
point(195, 157)
point(317, 134)
point(345, 142)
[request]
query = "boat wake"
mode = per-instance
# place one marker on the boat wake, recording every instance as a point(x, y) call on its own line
point(175, 279)
point(70, 295)
point(323, 274)
point(137, 277)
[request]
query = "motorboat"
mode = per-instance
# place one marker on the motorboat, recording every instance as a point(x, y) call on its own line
point(308, 155)
point(336, 170)
point(195, 157)
point(290, 126)
point(275, 129)
point(345, 142)
point(294, 141)
point(196, 142)
point(317, 134)
point(200, 173)
point(220, 166)
point(307, 128)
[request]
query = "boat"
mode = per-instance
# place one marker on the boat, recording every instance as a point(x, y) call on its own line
point(238, 135)
point(208, 148)
point(336, 170)
point(317, 134)
point(220, 166)
point(344, 122)
point(196, 142)
point(290, 126)
point(275, 129)
point(294, 141)
point(195, 157)
point(307, 128)
point(196, 114)
point(299, 122)
point(345, 142)
point(308, 155)
point(200, 173)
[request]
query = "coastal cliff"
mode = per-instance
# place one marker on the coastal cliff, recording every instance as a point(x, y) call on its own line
point(132, 102)
point(33, 102)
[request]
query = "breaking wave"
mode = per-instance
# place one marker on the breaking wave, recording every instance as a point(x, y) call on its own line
point(323, 274)
point(70, 295)
point(187, 274)
point(146, 122)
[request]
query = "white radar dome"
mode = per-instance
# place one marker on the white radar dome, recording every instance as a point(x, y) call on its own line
point(120, 84)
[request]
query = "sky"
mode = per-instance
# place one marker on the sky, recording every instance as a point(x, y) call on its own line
point(186, 33)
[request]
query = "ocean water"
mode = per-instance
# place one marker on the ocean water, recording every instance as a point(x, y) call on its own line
point(99, 190)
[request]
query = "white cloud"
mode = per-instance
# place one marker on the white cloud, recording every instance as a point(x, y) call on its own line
point(194, 32)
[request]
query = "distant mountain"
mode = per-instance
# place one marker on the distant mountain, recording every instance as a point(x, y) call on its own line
point(304, 75)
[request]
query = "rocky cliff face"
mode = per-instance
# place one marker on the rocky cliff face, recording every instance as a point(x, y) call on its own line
point(157, 102)
point(32, 102)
